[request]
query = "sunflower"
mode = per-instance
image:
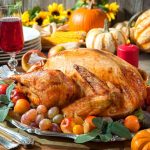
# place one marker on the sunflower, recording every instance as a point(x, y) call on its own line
point(68, 12)
point(41, 18)
point(57, 12)
point(112, 10)
point(26, 19)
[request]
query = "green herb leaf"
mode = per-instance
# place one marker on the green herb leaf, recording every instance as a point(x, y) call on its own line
point(9, 90)
point(3, 112)
point(4, 99)
point(103, 2)
point(79, 4)
point(139, 113)
point(148, 83)
point(2, 82)
point(118, 129)
point(103, 8)
point(34, 12)
point(105, 137)
point(87, 137)
point(98, 122)
point(10, 104)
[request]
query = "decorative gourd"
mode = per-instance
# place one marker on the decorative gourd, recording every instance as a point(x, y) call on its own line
point(107, 39)
point(142, 31)
point(123, 26)
point(86, 19)
point(141, 141)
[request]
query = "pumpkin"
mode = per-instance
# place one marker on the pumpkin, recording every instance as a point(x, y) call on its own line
point(86, 19)
point(142, 31)
point(105, 38)
point(123, 26)
point(141, 140)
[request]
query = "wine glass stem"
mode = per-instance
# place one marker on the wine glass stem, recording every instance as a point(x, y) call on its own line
point(12, 63)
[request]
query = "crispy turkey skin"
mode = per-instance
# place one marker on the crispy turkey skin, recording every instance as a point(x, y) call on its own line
point(98, 82)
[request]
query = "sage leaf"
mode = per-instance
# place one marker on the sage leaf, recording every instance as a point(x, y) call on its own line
point(105, 137)
point(120, 130)
point(9, 90)
point(2, 82)
point(139, 113)
point(148, 83)
point(3, 113)
point(4, 99)
point(10, 104)
point(98, 122)
point(87, 137)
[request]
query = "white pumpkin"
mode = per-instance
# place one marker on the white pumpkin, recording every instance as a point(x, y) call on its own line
point(106, 39)
point(123, 26)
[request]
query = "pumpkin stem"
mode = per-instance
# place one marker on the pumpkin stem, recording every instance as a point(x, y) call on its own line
point(91, 4)
point(106, 26)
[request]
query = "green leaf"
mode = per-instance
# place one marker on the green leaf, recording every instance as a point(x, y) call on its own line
point(79, 4)
point(118, 129)
point(9, 90)
point(98, 122)
point(2, 82)
point(139, 113)
point(148, 83)
point(4, 99)
point(34, 12)
point(105, 137)
point(3, 112)
point(87, 137)
point(10, 104)
point(103, 7)
point(14, 8)
point(103, 2)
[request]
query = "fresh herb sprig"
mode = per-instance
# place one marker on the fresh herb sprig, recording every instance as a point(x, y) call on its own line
point(5, 102)
point(105, 129)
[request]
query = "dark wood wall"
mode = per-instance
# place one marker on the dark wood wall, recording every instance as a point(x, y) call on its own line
point(127, 7)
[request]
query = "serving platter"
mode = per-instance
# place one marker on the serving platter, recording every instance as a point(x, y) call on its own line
point(33, 130)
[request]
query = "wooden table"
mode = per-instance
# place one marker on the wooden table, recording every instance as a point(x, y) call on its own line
point(67, 144)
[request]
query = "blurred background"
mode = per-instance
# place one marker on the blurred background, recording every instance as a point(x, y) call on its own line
point(127, 7)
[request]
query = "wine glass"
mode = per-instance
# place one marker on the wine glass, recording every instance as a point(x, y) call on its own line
point(11, 33)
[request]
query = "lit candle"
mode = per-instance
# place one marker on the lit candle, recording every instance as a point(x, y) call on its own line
point(130, 53)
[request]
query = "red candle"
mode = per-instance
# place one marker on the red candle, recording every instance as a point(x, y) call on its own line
point(130, 53)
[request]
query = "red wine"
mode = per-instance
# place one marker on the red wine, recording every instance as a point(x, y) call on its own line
point(11, 34)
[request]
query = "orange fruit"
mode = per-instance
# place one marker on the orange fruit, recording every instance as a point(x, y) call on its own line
point(21, 106)
point(89, 120)
point(78, 129)
point(67, 125)
point(132, 123)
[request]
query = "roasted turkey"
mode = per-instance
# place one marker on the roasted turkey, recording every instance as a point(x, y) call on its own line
point(89, 82)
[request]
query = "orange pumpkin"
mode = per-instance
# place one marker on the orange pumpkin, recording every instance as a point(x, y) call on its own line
point(86, 19)
point(141, 141)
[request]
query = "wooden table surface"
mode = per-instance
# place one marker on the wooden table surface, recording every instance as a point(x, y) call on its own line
point(67, 144)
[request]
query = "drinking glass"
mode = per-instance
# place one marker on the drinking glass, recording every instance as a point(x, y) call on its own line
point(11, 33)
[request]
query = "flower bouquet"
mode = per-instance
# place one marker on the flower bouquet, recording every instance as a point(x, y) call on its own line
point(55, 23)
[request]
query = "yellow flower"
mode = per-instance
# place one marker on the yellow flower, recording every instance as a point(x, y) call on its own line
point(57, 11)
point(68, 12)
point(42, 15)
point(112, 10)
point(25, 17)
point(46, 21)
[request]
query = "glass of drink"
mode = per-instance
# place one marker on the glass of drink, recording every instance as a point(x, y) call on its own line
point(11, 33)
